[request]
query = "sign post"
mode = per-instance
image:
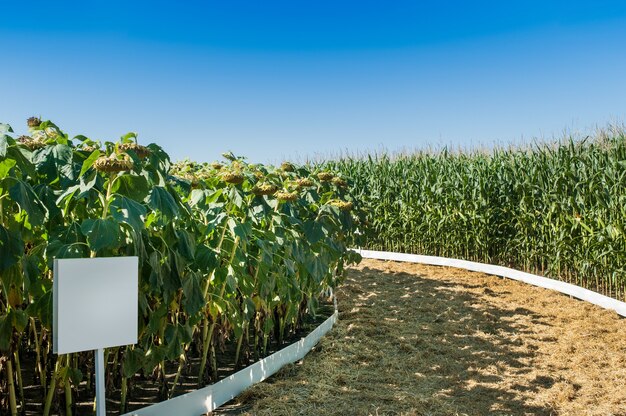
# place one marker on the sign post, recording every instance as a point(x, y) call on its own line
point(95, 306)
point(100, 385)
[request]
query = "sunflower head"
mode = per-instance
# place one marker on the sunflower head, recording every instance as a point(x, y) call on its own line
point(233, 176)
point(112, 164)
point(89, 148)
point(337, 181)
point(304, 183)
point(287, 167)
point(285, 196)
point(264, 189)
point(33, 122)
point(342, 205)
point(141, 151)
point(30, 143)
point(325, 176)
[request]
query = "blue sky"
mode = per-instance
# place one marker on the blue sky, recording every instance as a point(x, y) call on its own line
point(278, 79)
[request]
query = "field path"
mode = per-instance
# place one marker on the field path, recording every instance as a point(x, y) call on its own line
point(425, 340)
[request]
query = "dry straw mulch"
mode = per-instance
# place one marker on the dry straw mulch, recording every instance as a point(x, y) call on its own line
point(424, 340)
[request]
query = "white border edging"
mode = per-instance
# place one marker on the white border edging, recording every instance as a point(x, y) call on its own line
point(209, 398)
point(566, 288)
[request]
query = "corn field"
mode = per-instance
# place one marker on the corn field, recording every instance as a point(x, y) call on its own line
point(554, 209)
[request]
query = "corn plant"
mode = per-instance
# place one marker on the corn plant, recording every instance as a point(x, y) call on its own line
point(555, 208)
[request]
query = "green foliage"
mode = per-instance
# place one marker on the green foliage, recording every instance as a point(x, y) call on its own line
point(556, 209)
point(216, 257)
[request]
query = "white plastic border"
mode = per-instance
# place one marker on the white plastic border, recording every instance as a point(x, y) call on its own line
point(566, 288)
point(209, 398)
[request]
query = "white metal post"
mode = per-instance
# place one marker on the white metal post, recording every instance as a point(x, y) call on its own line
point(100, 387)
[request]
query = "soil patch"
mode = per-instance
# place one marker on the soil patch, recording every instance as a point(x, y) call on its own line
point(425, 340)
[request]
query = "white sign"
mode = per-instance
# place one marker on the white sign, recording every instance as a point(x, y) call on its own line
point(95, 303)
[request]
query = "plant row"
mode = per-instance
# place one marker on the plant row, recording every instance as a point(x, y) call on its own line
point(556, 209)
point(230, 253)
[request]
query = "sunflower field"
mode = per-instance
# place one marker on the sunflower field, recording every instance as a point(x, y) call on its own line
point(231, 254)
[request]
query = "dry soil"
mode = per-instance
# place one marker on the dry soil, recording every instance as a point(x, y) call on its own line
point(425, 340)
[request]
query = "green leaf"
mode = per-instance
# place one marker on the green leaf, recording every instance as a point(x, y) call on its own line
point(32, 274)
point(23, 194)
point(171, 281)
point(12, 276)
point(353, 257)
point(89, 161)
point(16, 318)
point(67, 233)
point(249, 308)
point(175, 337)
point(241, 230)
point(5, 128)
point(206, 258)
point(75, 375)
point(54, 162)
point(133, 359)
point(160, 200)
point(126, 210)
point(19, 319)
point(236, 197)
point(5, 167)
point(156, 271)
point(313, 232)
point(41, 309)
point(60, 250)
point(198, 198)
point(185, 244)
point(87, 182)
point(80, 138)
point(231, 280)
point(6, 332)
point(11, 248)
point(20, 156)
point(101, 233)
point(157, 319)
point(48, 198)
point(193, 299)
point(67, 195)
point(128, 137)
point(153, 357)
point(131, 186)
point(315, 269)
point(158, 159)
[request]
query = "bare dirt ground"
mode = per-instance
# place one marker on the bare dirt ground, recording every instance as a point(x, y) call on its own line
point(425, 340)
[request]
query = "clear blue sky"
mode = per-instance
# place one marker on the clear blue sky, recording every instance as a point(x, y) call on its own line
point(274, 79)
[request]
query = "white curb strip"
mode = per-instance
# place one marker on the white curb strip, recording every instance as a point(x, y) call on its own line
point(566, 288)
point(209, 398)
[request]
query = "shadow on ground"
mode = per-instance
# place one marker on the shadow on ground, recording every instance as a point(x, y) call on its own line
point(412, 344)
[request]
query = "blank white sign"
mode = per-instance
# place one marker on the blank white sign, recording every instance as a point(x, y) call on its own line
point(95, 303)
